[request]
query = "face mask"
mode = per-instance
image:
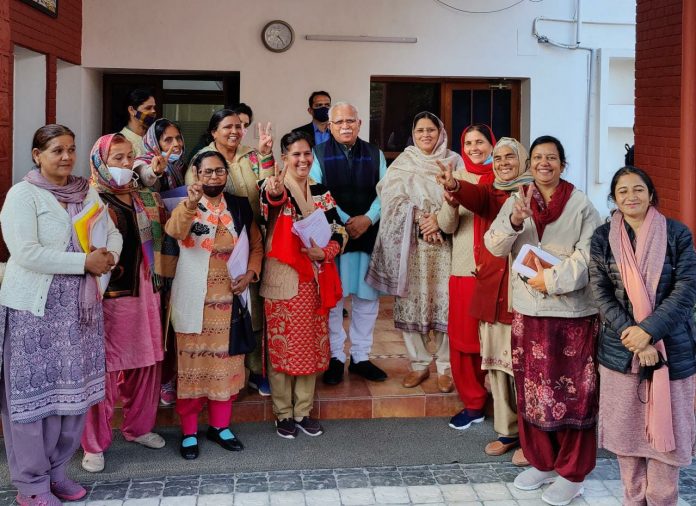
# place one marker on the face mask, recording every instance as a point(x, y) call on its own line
point(174, 157)
point(146, 119)
point(121, 176)
point(488, 160)
point(321, 114)
point(213, 190)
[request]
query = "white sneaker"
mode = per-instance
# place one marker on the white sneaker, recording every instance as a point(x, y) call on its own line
point(532, 479)
point(150, 440)
point(562, 492)
point(93, 462)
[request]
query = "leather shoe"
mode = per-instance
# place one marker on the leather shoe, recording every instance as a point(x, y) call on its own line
point(189, 452)
point(367, 370)
point(444, 383)
point(501, 446)
point(232, 444)
point(518, 458)
point(334, 374)
point(415, 378)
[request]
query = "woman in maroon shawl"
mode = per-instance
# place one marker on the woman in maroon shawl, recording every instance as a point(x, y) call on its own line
point(554, 326)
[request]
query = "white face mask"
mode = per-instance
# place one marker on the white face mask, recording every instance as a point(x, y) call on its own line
point(121, 176)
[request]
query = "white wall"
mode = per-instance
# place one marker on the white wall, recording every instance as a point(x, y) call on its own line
point(77, 89)
point(29, 107)
point(224, 35)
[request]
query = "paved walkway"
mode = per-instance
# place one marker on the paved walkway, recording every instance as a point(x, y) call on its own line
point(446, 484)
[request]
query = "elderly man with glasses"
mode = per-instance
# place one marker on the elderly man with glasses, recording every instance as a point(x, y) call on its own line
point(351, 168)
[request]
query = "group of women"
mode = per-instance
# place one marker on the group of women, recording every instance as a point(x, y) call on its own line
point(598, 344)
point(601, 339)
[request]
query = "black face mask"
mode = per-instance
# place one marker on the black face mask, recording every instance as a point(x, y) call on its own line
point(213, 190)
point(321, 114)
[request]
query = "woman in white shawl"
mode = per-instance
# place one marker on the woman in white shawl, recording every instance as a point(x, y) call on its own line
point(413, 267)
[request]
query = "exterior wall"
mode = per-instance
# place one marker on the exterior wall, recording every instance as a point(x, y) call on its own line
point(658, 96)
point(224, 35)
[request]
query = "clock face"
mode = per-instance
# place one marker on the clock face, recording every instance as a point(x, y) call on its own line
point(278, 36)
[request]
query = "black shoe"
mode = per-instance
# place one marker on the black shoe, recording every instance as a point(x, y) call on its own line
point(334, 374)
point(345, 313)
point(367, 370)
point(310, 426)
point(232, 444)
point(189, 452)
point(286, 428)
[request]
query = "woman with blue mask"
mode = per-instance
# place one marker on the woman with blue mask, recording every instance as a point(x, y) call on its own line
point(162, 166)
point(133, 359)
point(141, 110)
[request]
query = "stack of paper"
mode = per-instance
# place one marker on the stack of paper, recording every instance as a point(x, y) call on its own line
point(315, 226)
point(92, 229)
point(525, 265)
point(171, 198)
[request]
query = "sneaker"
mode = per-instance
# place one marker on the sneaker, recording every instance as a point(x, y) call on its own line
point(150, 440)
point(286, 428)
point(367, 370)
point(260, 383)
point(532, 479)
point(168, 393)
point(46, 499)
point(465, 418)
point(562, 492)
point(334, 374)
point(68, 490)
point(93, 462)
point(310, 426)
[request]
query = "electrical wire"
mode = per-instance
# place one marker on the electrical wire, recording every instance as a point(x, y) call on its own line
point(485, 12)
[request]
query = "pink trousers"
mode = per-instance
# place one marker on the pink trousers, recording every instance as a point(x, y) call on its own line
point(219, 413)
point(649, 482)
point(138, 391)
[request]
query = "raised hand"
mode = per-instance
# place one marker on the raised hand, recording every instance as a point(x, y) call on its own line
point(265, 139)
point(522, 209)
point(446, 176)
point(195, 193)
point(275, 184)
point(160, 162)
point(315, 253)
point(99, 261)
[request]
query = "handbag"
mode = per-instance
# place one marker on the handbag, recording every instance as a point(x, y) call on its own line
point(242, 340)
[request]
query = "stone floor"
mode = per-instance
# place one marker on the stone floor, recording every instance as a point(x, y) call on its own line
point(448, 484)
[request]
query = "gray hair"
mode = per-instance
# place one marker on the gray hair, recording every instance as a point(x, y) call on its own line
point(343, 104)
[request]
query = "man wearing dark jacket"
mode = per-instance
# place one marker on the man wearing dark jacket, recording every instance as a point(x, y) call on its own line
point(318, 128)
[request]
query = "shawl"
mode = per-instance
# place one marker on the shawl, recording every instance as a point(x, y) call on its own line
point(73, 193)
point(640, 272)
point(486, 176)
point(409, 184)
point(150, 214)
point(524, 177)
point(286, 246)
point(543, 213)
point(173, 175)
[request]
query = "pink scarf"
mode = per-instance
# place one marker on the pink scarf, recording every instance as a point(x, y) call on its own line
point(640, 272)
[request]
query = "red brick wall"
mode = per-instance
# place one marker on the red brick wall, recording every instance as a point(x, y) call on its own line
point(5, 109)
point(658, 96)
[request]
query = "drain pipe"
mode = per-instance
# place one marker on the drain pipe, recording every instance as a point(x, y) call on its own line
point(543, 39)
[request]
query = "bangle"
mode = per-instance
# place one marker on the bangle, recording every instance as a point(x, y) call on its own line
point(456, 187)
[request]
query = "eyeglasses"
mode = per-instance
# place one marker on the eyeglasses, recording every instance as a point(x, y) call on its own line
point(220, 171)
point(346, 122)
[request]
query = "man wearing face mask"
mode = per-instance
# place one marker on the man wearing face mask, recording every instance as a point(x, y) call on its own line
point(141, 107)
point(318, 128)
point(351, 168)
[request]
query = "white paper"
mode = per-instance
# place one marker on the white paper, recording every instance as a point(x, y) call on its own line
point(315, 226)
point(519, 266)
point(98, 237)
point(238, 263)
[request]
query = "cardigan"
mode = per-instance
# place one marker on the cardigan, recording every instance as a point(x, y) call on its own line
point(37, 231)
point(567, 238)
point(674, 303)
point(191, 280)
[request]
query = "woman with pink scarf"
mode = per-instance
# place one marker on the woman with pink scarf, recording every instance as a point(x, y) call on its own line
point(643, 275)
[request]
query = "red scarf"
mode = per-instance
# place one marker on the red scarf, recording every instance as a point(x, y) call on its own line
point(548, 213)
point(486, 176)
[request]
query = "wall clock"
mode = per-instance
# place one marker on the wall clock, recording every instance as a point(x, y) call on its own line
point(277, 36)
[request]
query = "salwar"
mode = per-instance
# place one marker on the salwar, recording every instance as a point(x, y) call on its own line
point(572, 453)
point(38, 452)
point(363, 316)
point(648, 482)
point(504, 403)
point(219, 413)
point(138, 391)
point(292, 396)
point(468, 378)
point(416, 345)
